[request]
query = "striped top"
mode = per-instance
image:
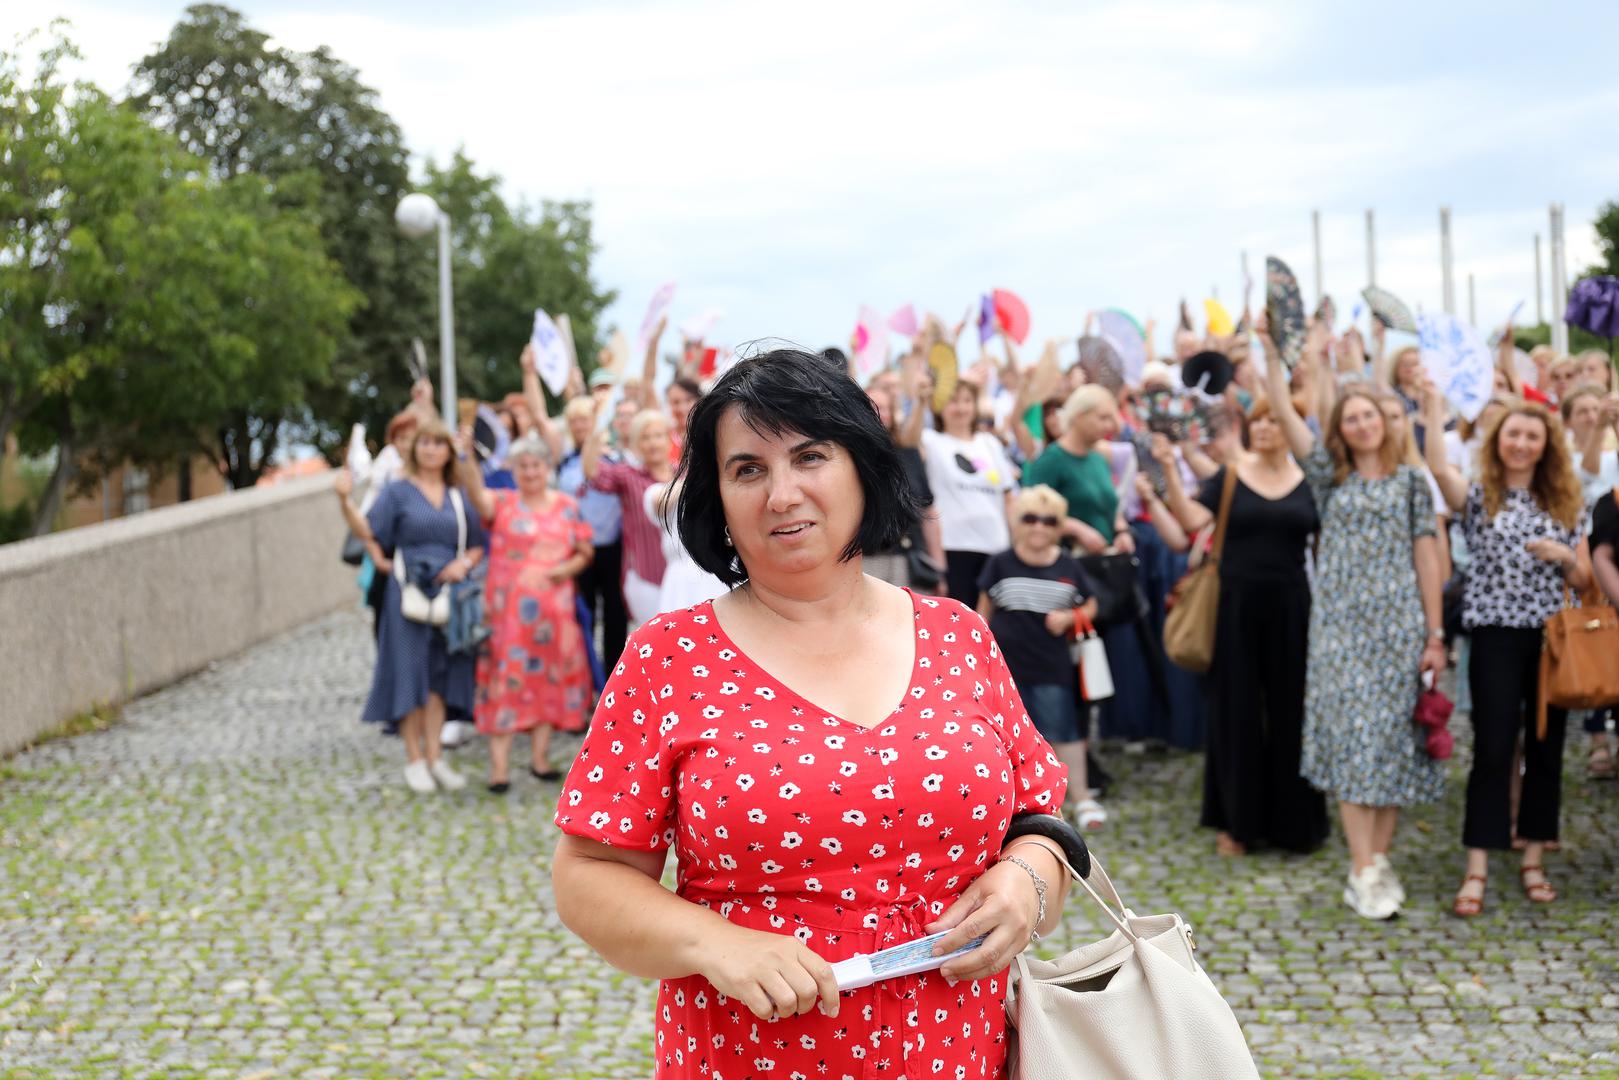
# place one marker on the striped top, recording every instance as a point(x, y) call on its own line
point(643, 541)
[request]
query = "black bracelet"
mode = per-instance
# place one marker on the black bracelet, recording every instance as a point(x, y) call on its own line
point(1058, 831)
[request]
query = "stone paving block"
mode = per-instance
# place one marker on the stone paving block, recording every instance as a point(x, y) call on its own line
point(235, 882)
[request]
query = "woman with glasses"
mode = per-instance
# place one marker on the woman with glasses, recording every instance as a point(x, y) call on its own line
point(1029, 594)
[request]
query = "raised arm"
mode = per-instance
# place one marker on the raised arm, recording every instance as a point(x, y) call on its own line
point(470, 473)
point(1169, 529)
point(534, 398)
point(1189, 513)
point(908, 432)
point(649, 366)
point(590, 455)
point(1299, 437)
point(1452, 485)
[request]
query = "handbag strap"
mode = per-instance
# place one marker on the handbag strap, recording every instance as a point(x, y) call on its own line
point(1228, 489)
point(460, 522)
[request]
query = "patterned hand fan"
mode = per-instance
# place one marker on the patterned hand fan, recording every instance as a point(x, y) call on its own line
point(1182, 417)
point(1286, 310)
point(1126, 336)
point(1387, 309)
point(1101, 362)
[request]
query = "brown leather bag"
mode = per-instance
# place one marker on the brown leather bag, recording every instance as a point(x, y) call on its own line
point(1579, 661)
point(1194, 603)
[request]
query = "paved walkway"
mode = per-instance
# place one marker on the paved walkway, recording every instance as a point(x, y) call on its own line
point(234, 882)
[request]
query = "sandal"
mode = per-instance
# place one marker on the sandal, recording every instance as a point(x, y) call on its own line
point(1538, 892)
point(1229, 847)
point(1089, 816)
point(1468, 906)
point(549, 773)
point(1599, 766)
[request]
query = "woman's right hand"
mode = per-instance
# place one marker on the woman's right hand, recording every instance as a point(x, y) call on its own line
point(344, 483)
point(774, 975)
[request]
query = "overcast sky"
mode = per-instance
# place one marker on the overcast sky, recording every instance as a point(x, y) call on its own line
point(788, 164)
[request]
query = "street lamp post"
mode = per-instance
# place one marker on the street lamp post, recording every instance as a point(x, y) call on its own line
point(416, 215)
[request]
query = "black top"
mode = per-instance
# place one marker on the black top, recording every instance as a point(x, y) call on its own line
point(1022, 595)
point(1605, 523)
point(1265, 538)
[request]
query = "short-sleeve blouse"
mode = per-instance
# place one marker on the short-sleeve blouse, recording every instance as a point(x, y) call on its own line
point(1506, 585)
point(789, 820)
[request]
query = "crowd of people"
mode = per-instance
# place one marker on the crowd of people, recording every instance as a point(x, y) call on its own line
point(1372, 540)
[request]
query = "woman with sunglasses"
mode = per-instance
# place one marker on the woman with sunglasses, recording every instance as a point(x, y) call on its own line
point(1029, 594)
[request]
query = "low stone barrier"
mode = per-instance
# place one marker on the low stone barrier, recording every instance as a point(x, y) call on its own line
point(104, 613)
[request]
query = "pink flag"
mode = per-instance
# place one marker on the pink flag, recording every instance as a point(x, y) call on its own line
point(654, 312)
point(903, 321)
point(871, 353)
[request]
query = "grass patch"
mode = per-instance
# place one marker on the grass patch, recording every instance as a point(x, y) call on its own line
point(98, 717)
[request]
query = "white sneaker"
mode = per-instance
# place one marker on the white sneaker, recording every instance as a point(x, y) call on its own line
point(455, 733)
point(1367, 898)
point(1089, 816)
point(418, 778)
point(1388, 880)
point(448, 778)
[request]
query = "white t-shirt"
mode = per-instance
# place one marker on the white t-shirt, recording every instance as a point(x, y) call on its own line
point(969, 480)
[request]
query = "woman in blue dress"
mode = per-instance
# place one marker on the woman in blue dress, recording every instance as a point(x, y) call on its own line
point(419, 523)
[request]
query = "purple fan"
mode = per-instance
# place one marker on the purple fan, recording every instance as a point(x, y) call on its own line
point(986, 318)
point(1593, 306)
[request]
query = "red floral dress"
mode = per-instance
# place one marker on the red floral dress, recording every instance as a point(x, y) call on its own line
point(791, 821)
point(534, 670)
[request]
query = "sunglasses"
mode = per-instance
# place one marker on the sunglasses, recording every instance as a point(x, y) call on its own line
point(1040, 519)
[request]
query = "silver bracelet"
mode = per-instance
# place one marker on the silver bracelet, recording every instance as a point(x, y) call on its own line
point(1039, 892)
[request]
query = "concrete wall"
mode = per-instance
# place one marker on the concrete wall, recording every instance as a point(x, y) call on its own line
point(108, 612)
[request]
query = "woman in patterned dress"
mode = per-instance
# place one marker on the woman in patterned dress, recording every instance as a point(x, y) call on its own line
point(1375, 626)
point(534, 676)
point(1523, 521)
point(836, 763)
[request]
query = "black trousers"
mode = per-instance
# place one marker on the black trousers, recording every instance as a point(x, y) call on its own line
point(604, 596)
point(1504, 673)
point(961, 575)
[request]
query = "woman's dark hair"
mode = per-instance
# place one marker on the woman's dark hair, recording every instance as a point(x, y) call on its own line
point(688, 384)
point(780, 391)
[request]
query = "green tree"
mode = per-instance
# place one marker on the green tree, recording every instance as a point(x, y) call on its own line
point(146, 304)
point(506, 262)
point(307, 123)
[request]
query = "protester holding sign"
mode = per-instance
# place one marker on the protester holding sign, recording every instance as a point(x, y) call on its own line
point(1374, 627)
point(1523, 520)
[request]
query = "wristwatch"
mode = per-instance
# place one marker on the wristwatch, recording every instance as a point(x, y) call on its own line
point(1436, 634)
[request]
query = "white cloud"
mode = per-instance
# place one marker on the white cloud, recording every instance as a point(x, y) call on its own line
point(790, 165)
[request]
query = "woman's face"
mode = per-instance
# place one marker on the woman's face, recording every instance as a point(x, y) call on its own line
point(1583, 416)
point(792, 504)
point(1037, 529)
point(1408, 371)
point(1099, 423)
point(1362, 425)
point(579, 425)
point(1264, 435)
point(1395, 420)
point(680, 402)
point(1501, 384)
point(1562, 379)
point(1521, 443)
point(653, 444)
point(1595, 370)
point(532, 473)
point(961, 410)
point(432, 454)
point(883, 402)
point(622, 416)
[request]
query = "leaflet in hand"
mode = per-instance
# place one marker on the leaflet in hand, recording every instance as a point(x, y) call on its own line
point(864, 969)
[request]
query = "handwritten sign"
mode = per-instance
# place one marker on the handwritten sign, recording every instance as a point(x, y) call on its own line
point(1458, 360)
point(551, 355)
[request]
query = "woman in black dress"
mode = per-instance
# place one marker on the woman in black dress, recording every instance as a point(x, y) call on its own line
point(1252, 791)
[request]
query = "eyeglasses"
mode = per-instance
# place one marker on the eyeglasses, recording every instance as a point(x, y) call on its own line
point(1040, 519)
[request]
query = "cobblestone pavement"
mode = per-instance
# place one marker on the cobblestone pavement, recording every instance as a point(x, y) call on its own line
point(235, 882)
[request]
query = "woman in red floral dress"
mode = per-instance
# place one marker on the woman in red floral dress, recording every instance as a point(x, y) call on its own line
point(834, 761)
point(534, 675)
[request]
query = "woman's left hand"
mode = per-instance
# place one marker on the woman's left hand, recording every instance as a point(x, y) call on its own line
point(1551, 551)
point(1434, 658)
point(455, 570)
point(1002, 904)
point(1124, 542)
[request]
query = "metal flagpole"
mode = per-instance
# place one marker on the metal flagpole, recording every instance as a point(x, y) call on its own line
point(1559, 282)
point(1447, 286)
point(1371, 250)
point(1540, 308)
point(446, 325)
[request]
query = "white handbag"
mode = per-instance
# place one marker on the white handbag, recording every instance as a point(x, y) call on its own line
point(414, 604)
point(1133, 1006)
point(1095, 673)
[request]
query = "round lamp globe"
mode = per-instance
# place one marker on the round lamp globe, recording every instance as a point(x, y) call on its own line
point(417, 215)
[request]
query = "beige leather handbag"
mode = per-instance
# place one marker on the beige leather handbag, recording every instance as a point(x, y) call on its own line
point(1133, 1006)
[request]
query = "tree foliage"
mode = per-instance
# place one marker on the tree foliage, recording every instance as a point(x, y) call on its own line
point(146, 303)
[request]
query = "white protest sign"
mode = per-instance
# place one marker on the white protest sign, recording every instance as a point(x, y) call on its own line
point(655, 311)
point(551, 359)
point(1458, 360)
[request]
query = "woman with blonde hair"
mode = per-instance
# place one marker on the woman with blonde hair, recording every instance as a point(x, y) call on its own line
point(428, 538)
point(1375, 628)
point(1031, 594)
point(1523, 519)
